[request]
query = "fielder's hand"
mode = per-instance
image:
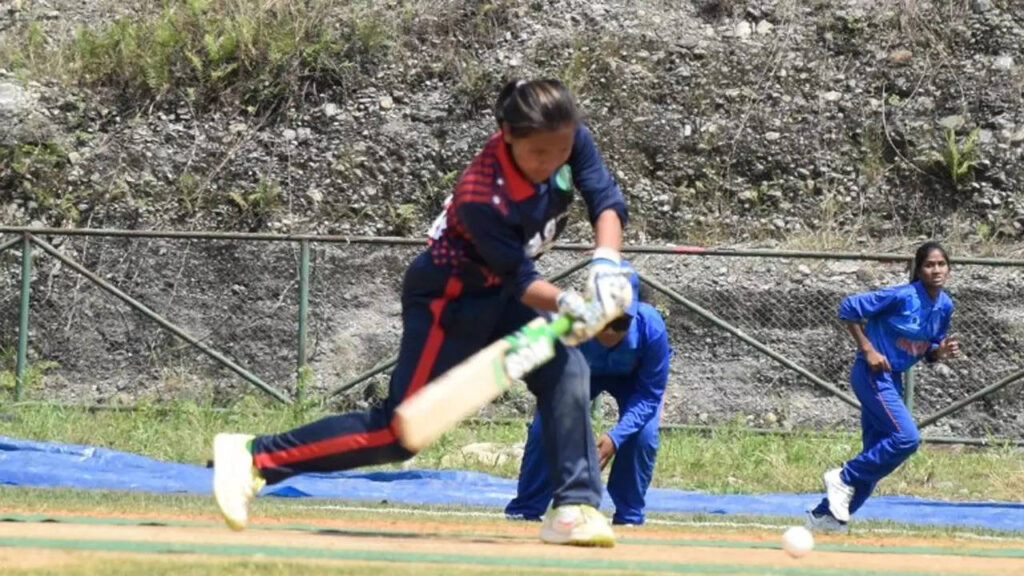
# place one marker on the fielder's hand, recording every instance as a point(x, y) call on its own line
point(605, 450)
point(948, 348)
point(877, 362)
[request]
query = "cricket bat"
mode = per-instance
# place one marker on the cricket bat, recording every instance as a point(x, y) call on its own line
point(461, 391)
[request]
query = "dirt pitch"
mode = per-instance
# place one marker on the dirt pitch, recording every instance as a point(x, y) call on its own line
point(414, 545)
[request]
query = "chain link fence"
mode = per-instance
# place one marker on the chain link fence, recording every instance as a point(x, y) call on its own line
point(790, 306)
point(240, 298)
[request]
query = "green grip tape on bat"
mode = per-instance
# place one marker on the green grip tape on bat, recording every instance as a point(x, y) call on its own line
point(528, 335)
point(533, 345)
point(560, 326)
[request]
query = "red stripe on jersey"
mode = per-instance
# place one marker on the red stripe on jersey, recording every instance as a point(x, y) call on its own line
point(474, 194)
point(483, 176)
point(519, 188)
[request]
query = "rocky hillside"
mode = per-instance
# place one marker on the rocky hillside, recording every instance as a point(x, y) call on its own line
point(724, 120)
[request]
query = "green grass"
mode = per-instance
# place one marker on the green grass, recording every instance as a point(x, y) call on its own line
point(262, 56)
point(731, 459)
point(248, 53)
point(257, 56)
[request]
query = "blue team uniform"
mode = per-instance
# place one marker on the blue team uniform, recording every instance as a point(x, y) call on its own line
point(903, 324)
point(458, 296)
point(634, 373)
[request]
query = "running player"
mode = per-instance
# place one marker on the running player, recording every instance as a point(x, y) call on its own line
point(894, 328)
point(629, 360)
point(476, 283)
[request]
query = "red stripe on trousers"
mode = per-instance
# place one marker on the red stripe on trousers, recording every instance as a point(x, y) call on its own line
point(878, 394)
point(886, 408)
point(385, 436)
point(434, 338)
point(335, 445)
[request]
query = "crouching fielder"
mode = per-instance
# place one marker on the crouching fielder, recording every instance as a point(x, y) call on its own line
point(629, 360)
point(894, 328)
point(477, 283)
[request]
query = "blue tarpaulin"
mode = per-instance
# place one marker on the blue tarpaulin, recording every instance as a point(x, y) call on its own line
point(44, 464)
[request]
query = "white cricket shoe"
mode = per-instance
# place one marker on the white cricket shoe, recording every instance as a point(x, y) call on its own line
point(839, 494)
point(577, 525)
point(235, 480)
point(825, 523)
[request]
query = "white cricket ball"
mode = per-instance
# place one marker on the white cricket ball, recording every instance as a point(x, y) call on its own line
point(797, 541)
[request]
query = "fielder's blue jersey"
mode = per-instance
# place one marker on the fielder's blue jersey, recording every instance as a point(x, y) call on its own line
point(903, 322)
point(497, 222)
point(634, 371)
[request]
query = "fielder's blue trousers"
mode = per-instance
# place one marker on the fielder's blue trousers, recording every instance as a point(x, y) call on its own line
point(888, 432)
point(628, 481)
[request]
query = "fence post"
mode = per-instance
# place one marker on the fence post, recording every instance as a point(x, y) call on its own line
point(26, 290)
point(908, 389)
point(303, 310)
point(908, 376)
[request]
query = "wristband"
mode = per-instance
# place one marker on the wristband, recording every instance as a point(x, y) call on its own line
point(606, 253)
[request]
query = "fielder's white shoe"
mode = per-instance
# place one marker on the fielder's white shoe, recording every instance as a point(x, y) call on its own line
point(577, 525)
point(235, 480)
point(825, 523)
point(839, 494)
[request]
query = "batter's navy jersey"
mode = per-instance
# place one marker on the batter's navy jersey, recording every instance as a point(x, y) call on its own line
point(462, 293)
point(496, 222)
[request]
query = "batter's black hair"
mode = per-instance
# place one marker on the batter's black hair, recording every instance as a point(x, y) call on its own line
point(532, 106)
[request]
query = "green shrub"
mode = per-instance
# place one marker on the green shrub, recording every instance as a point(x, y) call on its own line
point(256, 54)
point(960, 157)
point(30, 171)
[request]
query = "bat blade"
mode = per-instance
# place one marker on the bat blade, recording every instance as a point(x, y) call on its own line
point(458, 393)
point(452, 397)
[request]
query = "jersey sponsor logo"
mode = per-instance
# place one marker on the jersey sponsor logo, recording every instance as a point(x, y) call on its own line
point(913, 347)
point(563, 178)
point(542, 241)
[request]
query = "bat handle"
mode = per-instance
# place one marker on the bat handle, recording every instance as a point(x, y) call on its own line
point(560, 326)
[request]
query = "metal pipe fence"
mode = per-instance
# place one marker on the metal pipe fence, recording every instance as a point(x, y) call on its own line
point(754, 330)
point(562, 246)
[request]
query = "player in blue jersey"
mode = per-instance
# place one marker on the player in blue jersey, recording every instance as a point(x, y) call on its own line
point(474, 284)
point(629, 360)
point(894, 328)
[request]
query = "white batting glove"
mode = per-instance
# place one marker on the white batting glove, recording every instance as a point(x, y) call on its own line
point(587, 317)
point(608, 283)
